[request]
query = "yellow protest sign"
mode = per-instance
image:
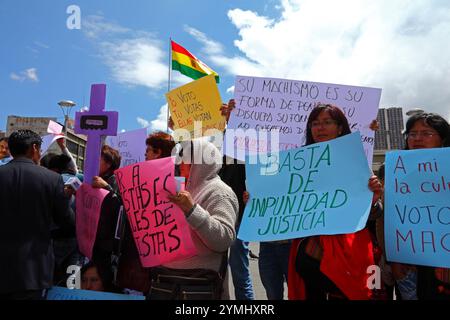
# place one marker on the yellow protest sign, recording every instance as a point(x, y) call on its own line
point(196, 107)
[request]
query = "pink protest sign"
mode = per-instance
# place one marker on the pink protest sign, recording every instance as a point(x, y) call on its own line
point(54, 127)
point(160, 229)
point(89, 203)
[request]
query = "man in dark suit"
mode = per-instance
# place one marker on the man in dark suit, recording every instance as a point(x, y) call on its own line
point(31, 199)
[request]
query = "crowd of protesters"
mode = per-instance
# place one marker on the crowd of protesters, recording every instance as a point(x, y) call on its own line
point(38, 236)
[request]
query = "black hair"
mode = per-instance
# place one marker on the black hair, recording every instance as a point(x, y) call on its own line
point(4, 139)
point(111, 156)
point(45, 160)
point(335, 113)
point(103, 272)
point(380, 173)
point(433, 120)
point(21, 141)
point(161, 141)
point(59, 163)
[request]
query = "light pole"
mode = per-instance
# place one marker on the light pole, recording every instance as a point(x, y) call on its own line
point(66, 107)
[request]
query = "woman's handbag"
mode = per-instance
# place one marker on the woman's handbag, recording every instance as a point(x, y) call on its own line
point(187, 284)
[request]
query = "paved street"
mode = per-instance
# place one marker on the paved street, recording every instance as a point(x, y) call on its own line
point(260, 293)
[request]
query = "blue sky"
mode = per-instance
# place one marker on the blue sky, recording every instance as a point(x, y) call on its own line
point(401, 47)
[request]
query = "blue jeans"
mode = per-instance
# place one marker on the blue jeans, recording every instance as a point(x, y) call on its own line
point(408, 286)
point(243, 288)
point(273, 266)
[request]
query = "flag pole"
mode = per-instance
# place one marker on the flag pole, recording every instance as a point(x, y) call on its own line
point(168, 84)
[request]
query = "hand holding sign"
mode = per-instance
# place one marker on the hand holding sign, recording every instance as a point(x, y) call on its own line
point(183, 200)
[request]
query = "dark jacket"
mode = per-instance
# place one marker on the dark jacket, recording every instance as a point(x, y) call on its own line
point(105, 238)
point(233, 174)
point(31, 199)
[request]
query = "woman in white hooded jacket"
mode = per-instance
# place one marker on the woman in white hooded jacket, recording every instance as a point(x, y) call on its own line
point(210, 206)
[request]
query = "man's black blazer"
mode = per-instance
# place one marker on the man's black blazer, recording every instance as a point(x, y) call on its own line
point(32, 199)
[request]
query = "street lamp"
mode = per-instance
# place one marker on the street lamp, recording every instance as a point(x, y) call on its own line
point(66, 107)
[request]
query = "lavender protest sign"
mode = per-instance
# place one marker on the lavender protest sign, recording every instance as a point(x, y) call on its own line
point(131, 146)
point(95, 123)
point(280, 105)
point(159, 227)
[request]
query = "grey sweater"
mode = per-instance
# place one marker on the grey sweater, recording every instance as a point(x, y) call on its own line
point(213, 220)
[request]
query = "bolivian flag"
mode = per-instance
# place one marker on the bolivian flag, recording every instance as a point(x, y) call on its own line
point(188, 64)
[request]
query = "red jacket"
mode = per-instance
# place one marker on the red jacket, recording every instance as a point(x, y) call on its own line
point(345, 260)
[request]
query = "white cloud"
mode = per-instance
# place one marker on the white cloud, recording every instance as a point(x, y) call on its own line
point(31, 74)
point(400, 46)
point(95, 26)
point(135, 58)
point(211, 47)
point(28, 74)
point(230, 90)
point(41, 45)
point(16, 77)
point(142, 122)
point(136, 62)
point(160, 123)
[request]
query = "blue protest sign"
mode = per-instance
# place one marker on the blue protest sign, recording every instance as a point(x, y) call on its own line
point(60, 293)
point(314, 190)
point(417, 207)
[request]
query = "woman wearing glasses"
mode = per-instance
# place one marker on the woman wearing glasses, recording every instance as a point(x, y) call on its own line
point(331, 267)
point(424, 131)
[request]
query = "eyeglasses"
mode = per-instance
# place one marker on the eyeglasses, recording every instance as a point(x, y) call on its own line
point(326, 123)
point(424, 134)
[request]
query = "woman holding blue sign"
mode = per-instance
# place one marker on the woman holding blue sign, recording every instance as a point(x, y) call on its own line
point(332, 266)
point(424, 131)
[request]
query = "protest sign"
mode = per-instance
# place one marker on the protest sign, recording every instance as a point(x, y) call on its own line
point(48, 140)
point(194, 103)
point(61, 293)
point(417, 207)
point(131, 146)
point(159, 227)
point(89, 202)
point(54, 129)
point(283, 106)
point(320, 189)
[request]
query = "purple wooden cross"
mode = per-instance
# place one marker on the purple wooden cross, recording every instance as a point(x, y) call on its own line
point(95, 123)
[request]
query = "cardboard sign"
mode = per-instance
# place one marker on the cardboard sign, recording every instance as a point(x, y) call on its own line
point(320, 189)
point(61, 293)
point(131, 146)
point(160, 229)
point(417, 207)
point(89, 203)
point(283, 106)
point(196, 108)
